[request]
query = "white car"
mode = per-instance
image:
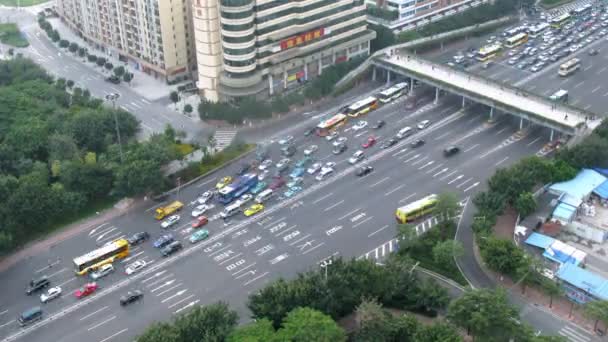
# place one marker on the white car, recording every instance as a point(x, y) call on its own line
point(314, 168)
point(201, 209)
point(424, 124)
point(265, 165)
point(135, 267)
point(286, 140)
point(310, 150)
point(205, 197)
point(102, 271)
point(244, 199)
point(263, 175)
point(51, 294)
point(361, 124)
point(357, 156)
point(331, 136)
point(339, 141)
point(283, 163)
point(328, 165)
point(173, 219)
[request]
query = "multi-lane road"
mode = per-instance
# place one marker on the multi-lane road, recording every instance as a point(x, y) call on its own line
point(344, 215)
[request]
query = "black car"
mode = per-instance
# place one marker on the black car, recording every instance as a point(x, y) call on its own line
point(417, 143)
point(138, 238)
point(244, 168)
point(390, 142)
point(451, 150)
point(171, 248)
point(37, 285)
point(131, 297)
point(593, 52)
point(339, 149)
point(379, 124)
point(364, 170)
point(308, 132)
point(113, 79)
point(288, 151)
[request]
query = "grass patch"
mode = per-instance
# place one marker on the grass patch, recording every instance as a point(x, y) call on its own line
point(184, 149)
point(10, 35)
point(22, 3)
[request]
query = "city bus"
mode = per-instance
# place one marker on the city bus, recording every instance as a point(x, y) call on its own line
point(393, 92)
point(514, 31)
point(517, 40)
point(582, 10)
point(329, 125)
point(560, 21)
point(488, 52)
point(237, 188)
point(362, 107)
point(560, 96)
point(417, 209)
point(536, 31)
point(117, 249)
point(569, 67)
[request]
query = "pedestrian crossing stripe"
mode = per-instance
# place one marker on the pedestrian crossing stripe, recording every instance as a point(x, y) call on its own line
point(574, 335)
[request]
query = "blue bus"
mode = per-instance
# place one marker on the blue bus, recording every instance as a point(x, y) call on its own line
point(237, 188)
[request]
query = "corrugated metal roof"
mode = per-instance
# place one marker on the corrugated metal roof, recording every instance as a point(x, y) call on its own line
point(539, 240)
point(581, 185)
point(589, 282)
point(602, 190)
point(564, 212)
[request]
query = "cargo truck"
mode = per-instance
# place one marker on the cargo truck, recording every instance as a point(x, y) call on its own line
point(173, 207)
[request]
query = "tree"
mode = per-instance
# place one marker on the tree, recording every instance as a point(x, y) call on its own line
point(174, 97)
point(372, 322)
point(109, 66)
point(501, 255)
point(212, 142)
point(407, 235)
point(54, 35)
point(188, 108)
point(82, 52)
point(258, 331)
point(119, 71)
point(101, 61)
point(11, 52)
point(431, 296)
point(597, 310)
point(384, 37)
point(127, 77)
point(305, 324)
point(445, 252)
point(207, 323)
point(92, 58)
point(439, 331)
point(73, 47)
point(70, 84)
point(159, 332)
point(525, 204)
point(64, 43)
point(552, 288)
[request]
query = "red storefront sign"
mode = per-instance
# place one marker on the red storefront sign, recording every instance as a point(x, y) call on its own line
point(341, 59)
point(302, 39)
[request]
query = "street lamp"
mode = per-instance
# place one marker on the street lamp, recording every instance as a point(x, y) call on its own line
point(179, 184)
point(113, 97)
point(325, 264)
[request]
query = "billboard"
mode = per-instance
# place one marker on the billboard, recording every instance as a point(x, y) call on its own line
point(302, 39)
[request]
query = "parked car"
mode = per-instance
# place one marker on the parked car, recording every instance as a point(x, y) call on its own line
point(292, 191)
point(286, 140)
point(205, 197)
point(310, 150)
point(379, 124)
point(451, 150)
point(171, 248)
point(390, 142)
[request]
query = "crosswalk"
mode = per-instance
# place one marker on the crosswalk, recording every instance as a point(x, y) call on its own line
point(223, 138)
point(570, 6)
point(574, 334)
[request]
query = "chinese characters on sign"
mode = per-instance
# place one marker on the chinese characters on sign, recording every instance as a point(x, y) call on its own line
point(302, 39)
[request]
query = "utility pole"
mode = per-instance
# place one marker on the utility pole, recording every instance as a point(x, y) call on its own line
point(113, 97)
point(179, 184)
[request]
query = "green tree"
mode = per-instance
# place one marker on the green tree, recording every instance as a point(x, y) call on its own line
point(384, 37)
point(597, 310)
point(61, 147)
point(109, 66)
point(525, 204)
point(440, 331)
point(446, 210)
point(258, 331)
point(501, 255)
point(160, 332)
point(444, 252)
point(69, 84)
point(372, 322)
point(206, 323)
point(73, 47)
point(127, 77)
point(54, 35)
point(305, 324)
point(188, 108)
point(551, 288)
point(64, 43)
point(101, 61)
point(82, 52)
point(407, 235)
point(93, 180)
point(174, 97)
point(119, 71)
point(92, 58)
point(431, 297)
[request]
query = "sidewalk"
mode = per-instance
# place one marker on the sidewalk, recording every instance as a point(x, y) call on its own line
point(143, 84)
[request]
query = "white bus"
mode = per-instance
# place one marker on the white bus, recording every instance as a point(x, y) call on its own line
point(569, 67)
point(560, 21)
point(488, 52)
point(535, 31)
point(393, 92)
point(560, 96)
point(582, 10)
point(517, 40)
point(514, 31)
point(362, 107)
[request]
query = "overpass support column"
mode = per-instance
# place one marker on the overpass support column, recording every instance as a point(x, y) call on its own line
point(388, 77)
point(551, 136)
point(436, 95)
point(491, 113)
point(463, 101)
point(374, 73)
point(521, 123)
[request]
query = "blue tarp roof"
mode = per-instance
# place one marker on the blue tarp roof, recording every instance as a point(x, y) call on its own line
point(539, 240)
point(602, 190)
point(584, 280)
point(602, 171)
point(581, 185)
point(564, 211)
point(564, 254)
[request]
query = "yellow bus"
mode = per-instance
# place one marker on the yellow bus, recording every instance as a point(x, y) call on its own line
point(569, 67)
point(117, 249)
point(362, 107)
point(517, 40)
point(416, 209)
point(488, 52)
point(329, 125)
point(558, 22)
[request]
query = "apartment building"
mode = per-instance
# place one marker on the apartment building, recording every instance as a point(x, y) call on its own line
point(154, 36)
point(412, 14)
point(265, 47)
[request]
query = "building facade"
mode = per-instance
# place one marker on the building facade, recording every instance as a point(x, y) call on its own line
point(154, 36)
point(413, 14)
point(265, 47)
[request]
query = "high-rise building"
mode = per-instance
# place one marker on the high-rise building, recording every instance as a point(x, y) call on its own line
point(264, 47)
point(412, 14)
point(154, 36)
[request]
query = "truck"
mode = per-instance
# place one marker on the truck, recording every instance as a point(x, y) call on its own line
point(171, 208)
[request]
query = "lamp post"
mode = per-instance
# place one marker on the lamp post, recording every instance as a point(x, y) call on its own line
point(113, 97)
point(325, 264)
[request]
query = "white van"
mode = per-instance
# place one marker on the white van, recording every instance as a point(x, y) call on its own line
point(231, 210)
point(325, 173)
point(264, 196)
point(404, 132)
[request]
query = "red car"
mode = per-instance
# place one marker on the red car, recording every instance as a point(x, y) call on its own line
point(86, 290)
point(277, 183)
point(369, 143)
point(200, 221)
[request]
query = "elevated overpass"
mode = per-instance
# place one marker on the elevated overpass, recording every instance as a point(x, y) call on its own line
point(542, 111)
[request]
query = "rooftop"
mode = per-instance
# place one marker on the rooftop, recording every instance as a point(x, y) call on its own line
point(580, 186)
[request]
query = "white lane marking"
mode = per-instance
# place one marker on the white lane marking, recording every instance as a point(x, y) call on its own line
point(124, 261)
point(395, 189)
point(411, 158)
point(48, 266)
point(3, 312)
point(587, 107)
point(406, 198)
point(244, 268)
point(471, 187)
point(455, 179)
point(92, 313)
point(533, 141)
point(398, 153)
point(362, 222)
point(232, 257)
point(167, 283)
point(98, 227)
point(56, 273)
point(579, 84)
point(205, 182)
point(427, 164)
point(145, 101)
point(67, 281)
point(180, 301)
point(501, 161)
point(103, 232)
point(322, 198)
point(256, 278)
point(169, 289)
point(350, 213)
point(470, 148)
point(596, 88)
point(420, 160)
point(333, 205)
point(443, 136)
point(177, 294)
point(407, 154)
point(502, 130)
point(286, 230)
point(7, 323)
point(312, 249)
point(277, 221)
point(378, 231)
point(463, 183)
point(101, 323)
point(185, 307)
point(219, 250)
point(448, 175)
point(434, 168)
point(154, 276)
point(440, 172)
point(380, 181)
point(114, 335)
point(159, 280)
point(300, 239)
